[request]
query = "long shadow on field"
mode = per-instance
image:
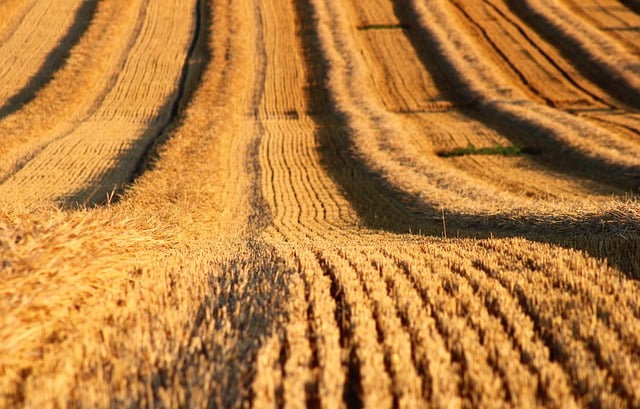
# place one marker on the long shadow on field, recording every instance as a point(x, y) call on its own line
point(589, 65)
point(54, 59)
point(632, 4)
point(382, 206)
point(520, 130)
point(217, 364)
point(134, 162)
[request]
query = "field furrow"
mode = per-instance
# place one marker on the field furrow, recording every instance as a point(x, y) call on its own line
point(406, 381)
point(601, 58)
point(614, 18)
point(77, 88)
point(526, 123)
point(429, 352)
point(422, 177)
point(542, 70)
point(561, 333)
point(302, 198)
point(48, 31)
point(439, 127)
point(100, 154)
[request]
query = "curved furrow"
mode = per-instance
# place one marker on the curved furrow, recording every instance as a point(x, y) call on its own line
point(613, 18)
point(48, 31)
point(323, 331)
point(77, 88)
point(305, 203)
point(344, 80)
point(392, 209)
point(600, 58)
point(370, 383)
point(542, 70)
point(480, 384)
point(519, 383)
point(571, 330)
point(408, 88)
point(568, 143)
point(598, 290)
point(392, 334)
point(523, 385)
point(626, 124)
point(414, 190)
point(428, 349)
point(567, 324)
point(553, 383)
point(520, 51)
point(105, 147)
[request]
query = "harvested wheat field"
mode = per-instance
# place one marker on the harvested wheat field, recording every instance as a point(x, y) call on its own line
point(320, 203)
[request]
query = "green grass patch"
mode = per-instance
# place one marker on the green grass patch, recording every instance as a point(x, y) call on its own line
point(491, 150)
point(383, 27)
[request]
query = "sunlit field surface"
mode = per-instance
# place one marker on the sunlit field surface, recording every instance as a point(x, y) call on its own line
point(319, 203)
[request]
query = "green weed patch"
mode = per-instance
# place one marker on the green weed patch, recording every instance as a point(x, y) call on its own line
point(491, 150)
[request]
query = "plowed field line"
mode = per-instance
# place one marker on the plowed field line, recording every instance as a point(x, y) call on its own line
point(392, 334)
point(543, 70)
point(502, 31)
point(367, 373)
point(612, 17)
point(77, 89)
point(135, 110)
point(598, 56)
point(300, 194)
point(417, 176)
point(551, 382)
point(383, 48)
point(626, 331)
point(478, 378)
point(429, 353)
point(566, 335)
point(279, 166)
point(324, 331)
point(505, 108)
point(48, 31)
